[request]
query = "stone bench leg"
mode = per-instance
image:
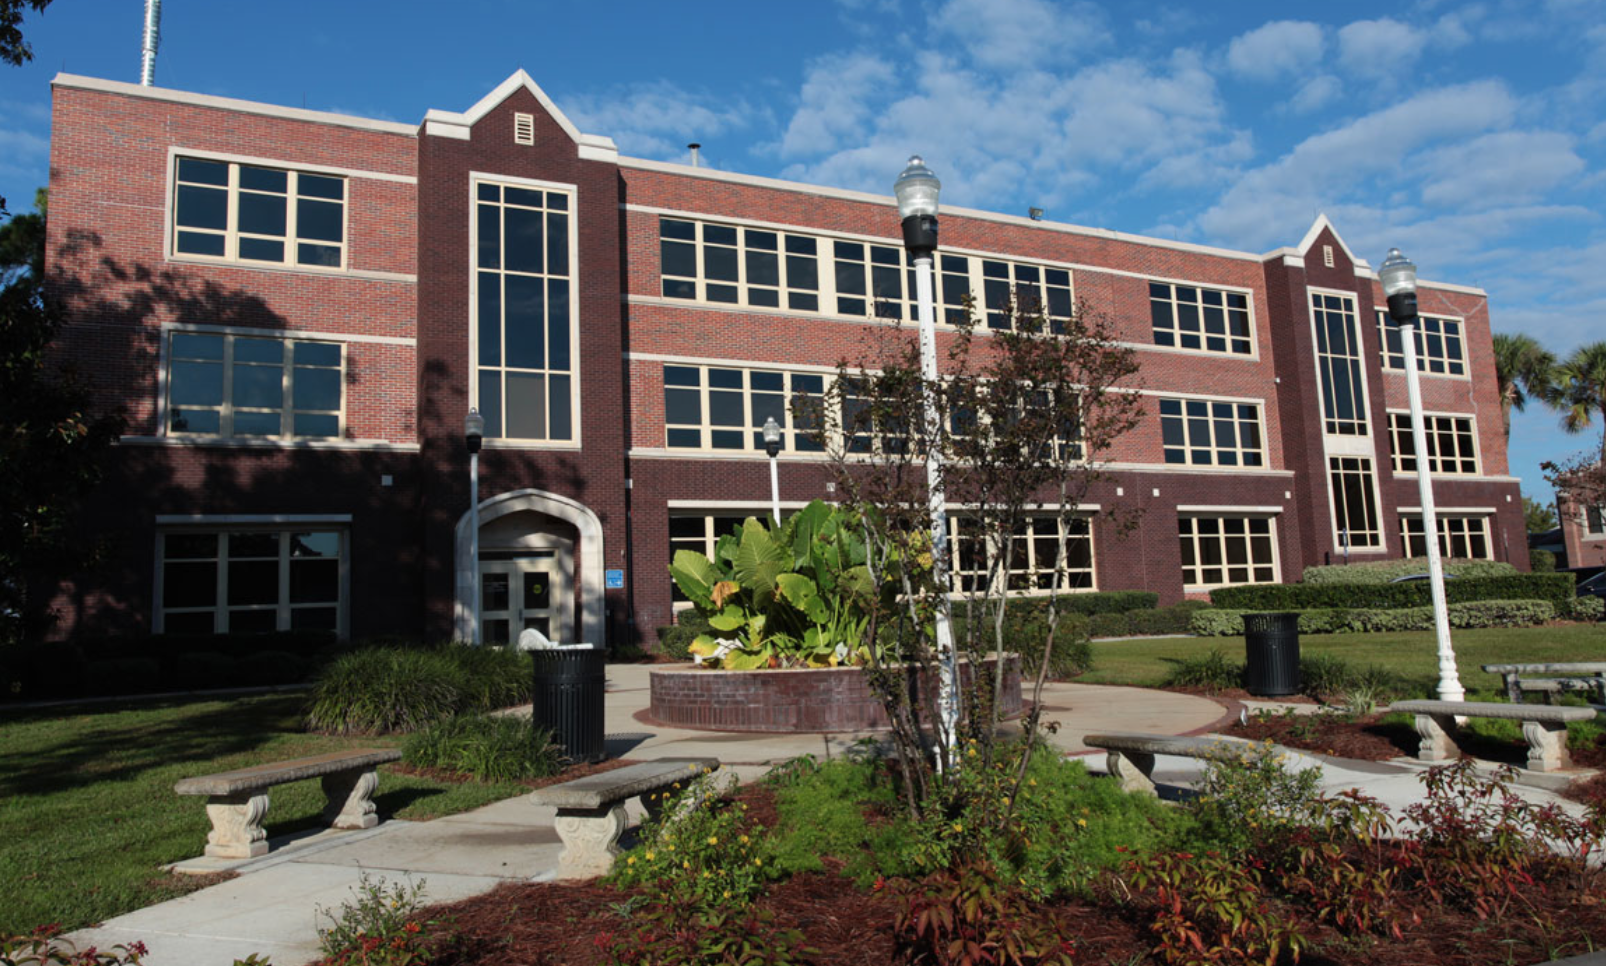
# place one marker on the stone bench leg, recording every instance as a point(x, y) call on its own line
point(590, 840)
point(237, 825)
point(1435, 731)
point(1133, 769)
point(1547, 745)
point(349, 799)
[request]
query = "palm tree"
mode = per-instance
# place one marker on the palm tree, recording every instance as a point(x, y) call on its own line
point(1580, 389)
point(1522, 368)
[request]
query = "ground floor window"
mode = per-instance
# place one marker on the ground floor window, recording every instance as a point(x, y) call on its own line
point(700, 531)
point(1460, 537)
point(1355, 518)
point(1034, 554)
point(250, 581)
point(1221, 550)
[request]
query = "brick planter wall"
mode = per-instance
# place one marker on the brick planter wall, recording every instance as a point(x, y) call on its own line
point(793, 700)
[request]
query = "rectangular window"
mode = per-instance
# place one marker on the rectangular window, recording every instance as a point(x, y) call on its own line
point(1035, 548)
point(249, 213)
point(1355, 520)
point(245, 386)
point(251, 581)
point(873, 280)
point(1219, 551)
point(1451, 448)
point(1204, 432)
point(1460, 537)
point(1338, 363)
point(1595, 519)
point(1013, 289)
point(1190, 317)
point(524, 327)
point(738, 266)
point(1439, 347)
point(700, 531)
point(714, 408)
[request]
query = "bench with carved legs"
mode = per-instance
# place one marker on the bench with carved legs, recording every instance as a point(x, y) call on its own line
point(591, 810)
point(1131, 754)
point(238, 800)
point(1544, 726)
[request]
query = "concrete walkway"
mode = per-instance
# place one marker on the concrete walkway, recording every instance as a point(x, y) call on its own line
point(273, 907)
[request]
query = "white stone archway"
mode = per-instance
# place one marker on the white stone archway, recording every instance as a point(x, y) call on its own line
point(589, 574)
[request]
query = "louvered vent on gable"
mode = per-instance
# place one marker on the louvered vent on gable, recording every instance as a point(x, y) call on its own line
point(523, 128)
point(1327, 255)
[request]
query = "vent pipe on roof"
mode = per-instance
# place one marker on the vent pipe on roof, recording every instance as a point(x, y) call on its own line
point(696, 159)
point(153, 38)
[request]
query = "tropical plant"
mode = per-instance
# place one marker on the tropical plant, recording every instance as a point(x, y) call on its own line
point(797, 594)
point(1522, 369)
point(1580, 389)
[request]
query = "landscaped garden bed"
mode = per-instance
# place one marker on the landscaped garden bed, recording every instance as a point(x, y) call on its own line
point(821, 864)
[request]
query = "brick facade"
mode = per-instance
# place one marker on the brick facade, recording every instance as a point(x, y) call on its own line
point(395, 484)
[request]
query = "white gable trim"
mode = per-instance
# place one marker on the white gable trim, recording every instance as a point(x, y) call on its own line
point(1361, 265)
point(592, 147)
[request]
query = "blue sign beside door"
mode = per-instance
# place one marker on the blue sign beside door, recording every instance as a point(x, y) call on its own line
point(613, 579)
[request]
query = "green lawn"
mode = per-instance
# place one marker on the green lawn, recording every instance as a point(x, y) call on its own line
point(88, 813)
point(1413, 656)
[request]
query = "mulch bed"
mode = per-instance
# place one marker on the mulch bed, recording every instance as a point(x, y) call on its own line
point(1367, 738)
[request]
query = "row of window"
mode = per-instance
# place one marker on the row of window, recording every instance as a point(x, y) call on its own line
point(1451, 442)
point(251, 581)
point(249, 213)
point(1439, 348)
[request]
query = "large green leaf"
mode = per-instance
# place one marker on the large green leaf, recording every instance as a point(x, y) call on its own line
point(759, 560)
point(798, 590)
point(732, 618)
point(694, 574)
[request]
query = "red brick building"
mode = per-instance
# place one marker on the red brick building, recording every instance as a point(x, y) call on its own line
point(298, 309)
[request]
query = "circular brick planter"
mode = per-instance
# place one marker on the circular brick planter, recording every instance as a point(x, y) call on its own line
point(792, 700)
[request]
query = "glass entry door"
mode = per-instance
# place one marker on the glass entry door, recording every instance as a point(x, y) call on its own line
point(531, 590)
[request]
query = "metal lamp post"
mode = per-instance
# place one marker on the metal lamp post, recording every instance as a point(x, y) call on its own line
point(473, 436)
point(916, 190)
point(1398, 275)
point(772, 446)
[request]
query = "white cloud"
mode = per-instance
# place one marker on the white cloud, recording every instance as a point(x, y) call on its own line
point(1315, 94)
point(1276, 49)
point(1022, 34)
point(1508, 167)
point(835, 102)
point(1379, 47)
point(22, 144)
point(656, 120)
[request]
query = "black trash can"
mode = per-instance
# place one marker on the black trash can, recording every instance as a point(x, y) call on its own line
point(1272, 645)
point(567, 699)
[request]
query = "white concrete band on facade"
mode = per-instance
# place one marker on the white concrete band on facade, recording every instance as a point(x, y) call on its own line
point(589, 528)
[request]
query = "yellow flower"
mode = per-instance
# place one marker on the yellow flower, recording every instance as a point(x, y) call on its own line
point(1006, 799)
point(670, 848)
point(649, 856)
point(685, 865)
point(677, 784)
point(630, 861)
point(744, 840)
point(713, 840)
point(958, 828)
point(758, 861)
point(727, 893)
point(1032, 782)
point(689, 768)
point(972, 752)
point(1082, 822)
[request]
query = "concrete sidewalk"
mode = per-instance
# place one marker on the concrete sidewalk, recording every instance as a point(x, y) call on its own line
point(272, 908)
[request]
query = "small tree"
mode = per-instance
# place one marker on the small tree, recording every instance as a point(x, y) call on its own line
point(1025, 418)
point(1537, 517)
point(1580, 482)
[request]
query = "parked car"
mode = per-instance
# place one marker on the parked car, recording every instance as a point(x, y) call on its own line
point(1410, 577)
point(1593, 587)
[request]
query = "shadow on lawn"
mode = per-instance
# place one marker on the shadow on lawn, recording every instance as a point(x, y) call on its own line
point(117, 745)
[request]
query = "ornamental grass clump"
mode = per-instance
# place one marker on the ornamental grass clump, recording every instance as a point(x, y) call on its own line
point(491, 748)
point(385, 690)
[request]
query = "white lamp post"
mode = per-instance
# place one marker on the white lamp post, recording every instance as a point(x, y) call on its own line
point(916, 190)
point(1398, 275)
point(772, 446)
point(473, 436)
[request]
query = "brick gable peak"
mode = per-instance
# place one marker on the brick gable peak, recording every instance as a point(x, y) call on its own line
point(459, 125)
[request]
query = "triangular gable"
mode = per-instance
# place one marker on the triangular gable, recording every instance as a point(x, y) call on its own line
point(452, 124)
point(1321, 222)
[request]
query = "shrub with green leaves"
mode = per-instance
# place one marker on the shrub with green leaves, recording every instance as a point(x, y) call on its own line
point(1554, 588)
point(492, 748)
point(700, 850)
point(1383, 571)
point(1213, 672)
point(1240, 800)
point(1585, 609)
point(1026, 632)
point(384, 690)
point(1110, 625)
point(1222, 622)
point(676, 639)
point(379, 926)
point(1541, 561)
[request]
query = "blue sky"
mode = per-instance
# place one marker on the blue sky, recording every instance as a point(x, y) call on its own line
point(1472, 135)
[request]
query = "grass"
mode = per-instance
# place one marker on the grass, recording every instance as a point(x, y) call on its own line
point(87, 809)
point(1413, 656)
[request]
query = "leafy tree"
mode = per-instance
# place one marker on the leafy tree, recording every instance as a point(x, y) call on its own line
point(1580, 481)
point(13, 49)
point(1538, 517)
point(51, 441)
point(1024, 418)
point(1522, 368)
point(1580, 390)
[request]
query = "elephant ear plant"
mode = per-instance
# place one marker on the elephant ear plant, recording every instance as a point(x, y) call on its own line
point(794, 596)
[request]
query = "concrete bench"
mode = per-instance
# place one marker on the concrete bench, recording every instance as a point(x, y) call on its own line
point(1544, 726)
point(1551, 678)
point(591, 810)
point(237, 800)
point(1131, 755)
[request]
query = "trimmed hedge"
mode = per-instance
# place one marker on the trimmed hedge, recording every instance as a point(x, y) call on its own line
point(1383, 571)
point(1557, 589)
point(1585, 609)
point(1339, 620)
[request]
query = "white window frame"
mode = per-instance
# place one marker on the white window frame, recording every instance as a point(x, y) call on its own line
point(1031, 568)
point(1188, 448)
point(1447, 520)
point(1204, 336)
point(282, 527)
point(1399, 424)
point(226, 409)
point(1423, 360)
point(576, 416)
point(1366, 421)
point(790, 430)
point(1345, 542)
point(1221, 538)
point(231, 232)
